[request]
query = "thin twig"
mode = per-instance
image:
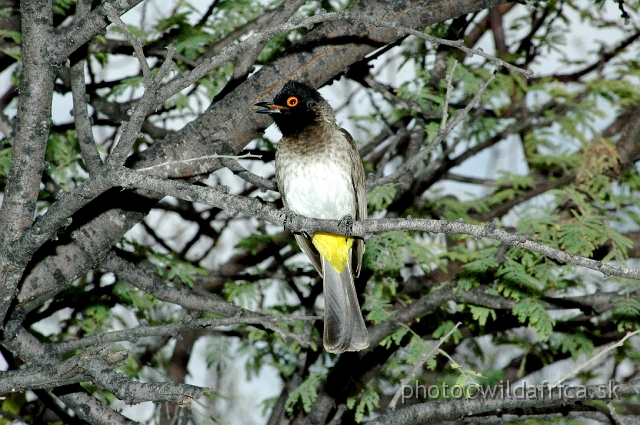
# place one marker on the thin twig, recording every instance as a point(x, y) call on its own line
point(149, 99)
point(174, 329)
point(458, 44)
point(593, 359)
point(81, 118)
point(135, 42)
point(412, 163)
point(237, 169)
point(447, 97)
point(200, 158)
point(423, 359)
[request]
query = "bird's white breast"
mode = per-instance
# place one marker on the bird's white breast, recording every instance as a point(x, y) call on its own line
point(318, 184)
point(319, 190)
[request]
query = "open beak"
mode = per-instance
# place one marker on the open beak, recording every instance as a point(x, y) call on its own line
point(270, 108)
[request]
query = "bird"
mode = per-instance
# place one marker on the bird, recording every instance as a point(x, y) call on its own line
point(319, 174)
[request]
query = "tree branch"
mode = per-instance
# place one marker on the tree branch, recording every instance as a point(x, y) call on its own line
point(174, 329)
point(593, 359)
point(86, 407)
point(134, 275)
point(474, 407)
point(30, 142)
point(364, 229)
point(83, 30)
point(412, 163)
point(81, 118)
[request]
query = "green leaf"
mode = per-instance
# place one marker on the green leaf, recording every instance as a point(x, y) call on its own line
point(5, 161)
point(15, 36)
point(444, 328)
point(577, 344)
point(369, 400)
point(379, 309)
point(96, 319)
point(386, 252)
point(534, 312)
point(481, 314)
point(253, 243)
point(246, 295)
point(627, 313)
point(171, 266)
point(382, 196)
point(395, 338)
point(62, 6)
point(306, 393)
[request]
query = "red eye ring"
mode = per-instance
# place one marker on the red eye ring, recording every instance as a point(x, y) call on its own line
point(292, 101)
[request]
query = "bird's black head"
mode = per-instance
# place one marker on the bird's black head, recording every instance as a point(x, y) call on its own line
point(296, 107)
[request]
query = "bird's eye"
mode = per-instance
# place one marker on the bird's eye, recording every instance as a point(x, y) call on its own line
point(292, 101)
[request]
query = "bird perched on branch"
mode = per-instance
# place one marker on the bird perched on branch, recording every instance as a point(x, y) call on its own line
point(320, 175)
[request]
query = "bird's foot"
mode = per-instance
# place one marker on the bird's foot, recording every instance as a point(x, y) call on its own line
point(287, 219)
point(347, 222)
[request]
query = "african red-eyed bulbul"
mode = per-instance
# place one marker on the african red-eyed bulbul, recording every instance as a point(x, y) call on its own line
point(320, 175)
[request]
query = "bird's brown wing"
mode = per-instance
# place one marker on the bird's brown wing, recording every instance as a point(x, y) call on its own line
point(304, 242)
point(359, 187)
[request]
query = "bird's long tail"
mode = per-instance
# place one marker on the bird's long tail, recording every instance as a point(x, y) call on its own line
point(344, 328)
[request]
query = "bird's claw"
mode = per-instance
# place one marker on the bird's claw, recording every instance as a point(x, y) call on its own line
point(347, 222)
point(287, 218)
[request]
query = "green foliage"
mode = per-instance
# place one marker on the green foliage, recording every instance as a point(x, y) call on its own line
point(380, 197)
point(275, 46)
point(246, 295)
point(10, 406)
point(62, 155)
point(131, 367)
point(306, 393)
point(514, 276)
point(577, 344)
point(253, 243)
point(62, 6)
point(417, 348)
point(386, 252)
point(168, 265)
point(14, 36)
point(444, 328)
point(369, 400)
point(379, 309)
point(126, 84)
point(5, 161)
point(481, 314)
point(395, 338)
point(534, 312)
point(627, 313)
point(141, 302)
point(96, 319)
point(477, 265)
point(268, 349)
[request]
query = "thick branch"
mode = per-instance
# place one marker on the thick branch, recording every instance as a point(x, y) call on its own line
point(364, 229)
point(87, 407)
point(29, 144)
point(321, 55)
point(137, 277)
point(173, 330)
